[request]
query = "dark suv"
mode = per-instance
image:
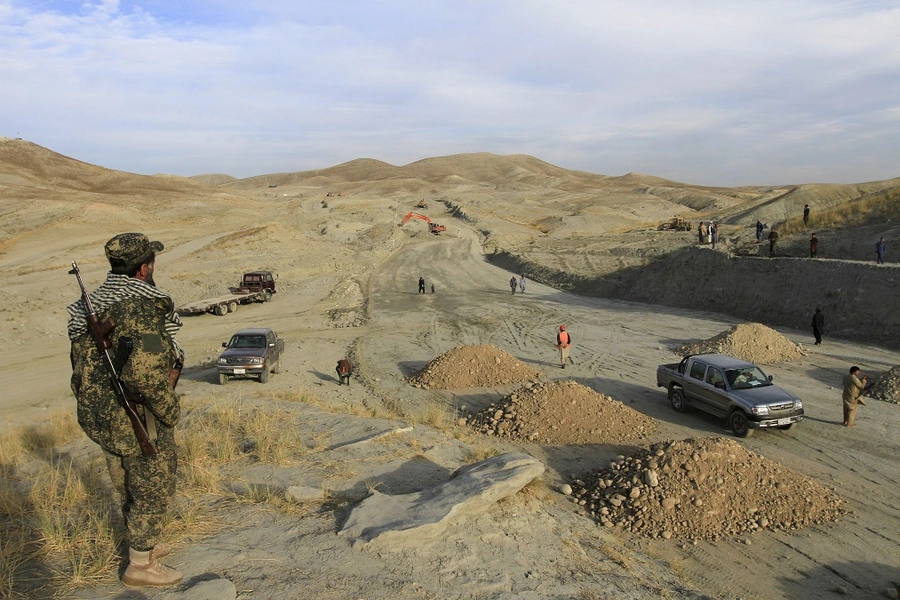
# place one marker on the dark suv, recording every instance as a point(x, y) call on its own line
point(251, 353)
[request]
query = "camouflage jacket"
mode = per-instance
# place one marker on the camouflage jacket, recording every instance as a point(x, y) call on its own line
point(146, 371)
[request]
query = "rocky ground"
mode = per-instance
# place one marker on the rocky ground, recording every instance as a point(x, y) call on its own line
point(561, 412)
point(704, 489)
point(753, 342)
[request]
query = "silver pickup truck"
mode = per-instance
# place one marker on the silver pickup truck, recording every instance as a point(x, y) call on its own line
point(730, 388)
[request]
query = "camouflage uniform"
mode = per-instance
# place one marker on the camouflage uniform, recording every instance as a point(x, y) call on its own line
point(145, 315)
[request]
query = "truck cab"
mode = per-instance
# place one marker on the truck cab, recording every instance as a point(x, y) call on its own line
point(257, 281)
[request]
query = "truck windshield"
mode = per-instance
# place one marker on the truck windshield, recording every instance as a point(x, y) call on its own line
point(248, 341)
point(747, 377)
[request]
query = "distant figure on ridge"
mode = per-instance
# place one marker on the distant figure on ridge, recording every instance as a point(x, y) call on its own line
point(713, 233)
point(806, 214)
point(701, 232)
point(773, 240)
point(759, 230)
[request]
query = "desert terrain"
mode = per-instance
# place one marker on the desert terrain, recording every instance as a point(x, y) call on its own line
point(631, 296)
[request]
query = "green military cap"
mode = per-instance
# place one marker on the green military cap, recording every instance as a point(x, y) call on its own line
point(131, 248)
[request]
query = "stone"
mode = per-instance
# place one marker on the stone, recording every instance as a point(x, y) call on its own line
point(299, 493)
point(398, 521)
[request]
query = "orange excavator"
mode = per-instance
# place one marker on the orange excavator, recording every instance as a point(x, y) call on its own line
point(432, 227)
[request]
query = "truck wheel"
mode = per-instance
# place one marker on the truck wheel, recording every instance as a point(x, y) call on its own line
point(786, 427)
point(267, 296)
point(264, 376)
point(223, 378)
point(676, 397)
point(277, 368)
point(232, 306)
point(739, 424)
point(220, 310)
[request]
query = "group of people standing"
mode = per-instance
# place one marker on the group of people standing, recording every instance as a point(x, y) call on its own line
point(880, 246)
point(708, 233)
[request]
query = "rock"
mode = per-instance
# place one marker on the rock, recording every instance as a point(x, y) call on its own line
point(402, 520)
point(891, 593)
point(651, 478)
point(298, 493)
point(566, 489)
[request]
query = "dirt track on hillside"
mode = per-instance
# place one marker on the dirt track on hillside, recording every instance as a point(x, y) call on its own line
point(617, 346)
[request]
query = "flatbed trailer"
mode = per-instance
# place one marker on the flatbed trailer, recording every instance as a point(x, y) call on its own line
point(222, 305)
point(256, 286)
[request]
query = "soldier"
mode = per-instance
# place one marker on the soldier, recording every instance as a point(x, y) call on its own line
point(147, 317)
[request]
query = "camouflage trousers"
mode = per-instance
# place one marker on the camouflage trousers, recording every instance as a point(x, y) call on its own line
point(145, 485)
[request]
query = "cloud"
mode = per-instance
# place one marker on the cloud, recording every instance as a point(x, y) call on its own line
point(702, 91)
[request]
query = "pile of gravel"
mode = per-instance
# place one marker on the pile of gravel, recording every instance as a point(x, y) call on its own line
point(886, 387)
point(561, 412)
point(473, 366)
point(753, 342)
point(703, 489)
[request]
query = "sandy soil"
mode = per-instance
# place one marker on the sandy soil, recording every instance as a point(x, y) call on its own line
point(347, 287)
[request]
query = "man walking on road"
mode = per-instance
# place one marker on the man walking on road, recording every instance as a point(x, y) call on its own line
point(563, 342)
point(879, 251)
point(853, 388)
point(522, 283)
point(818, 325)
point(421, 285)
point(512, 284)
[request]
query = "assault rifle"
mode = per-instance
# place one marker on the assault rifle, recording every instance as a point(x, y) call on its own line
point(127, 400)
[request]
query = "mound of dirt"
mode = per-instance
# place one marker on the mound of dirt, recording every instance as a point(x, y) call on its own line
point(887, 387)
point(753, 342)
point(562, 412)
point(703, 489)
point(473, 366)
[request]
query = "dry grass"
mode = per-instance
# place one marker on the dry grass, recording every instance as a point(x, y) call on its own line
point(871, 208)
point(60, 527)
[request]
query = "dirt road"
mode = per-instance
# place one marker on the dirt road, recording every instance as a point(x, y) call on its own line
point(617, 347)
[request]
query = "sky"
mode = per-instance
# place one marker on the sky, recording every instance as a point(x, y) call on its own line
point(708, 92)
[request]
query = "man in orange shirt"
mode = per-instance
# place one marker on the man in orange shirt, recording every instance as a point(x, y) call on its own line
point(563, 342)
